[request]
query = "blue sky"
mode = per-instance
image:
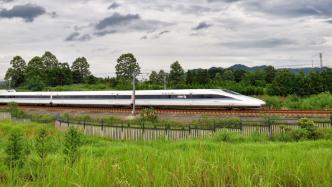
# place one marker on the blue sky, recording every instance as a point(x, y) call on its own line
point(198, 33)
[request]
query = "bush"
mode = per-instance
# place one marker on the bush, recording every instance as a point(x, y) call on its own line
point(298, 134)
point(15, 150)
point(15, 111)
point(71, 145)
point(149, 115)
point(310, 127)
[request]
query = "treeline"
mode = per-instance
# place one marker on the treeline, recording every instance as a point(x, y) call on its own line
point(47, 71)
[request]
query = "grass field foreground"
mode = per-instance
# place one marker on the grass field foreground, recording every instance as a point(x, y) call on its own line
point(208, 162)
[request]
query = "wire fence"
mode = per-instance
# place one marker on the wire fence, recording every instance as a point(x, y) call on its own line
point(125, 131)
point(142, 130)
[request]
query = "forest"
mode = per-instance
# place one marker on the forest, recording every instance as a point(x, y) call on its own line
point(47, 73)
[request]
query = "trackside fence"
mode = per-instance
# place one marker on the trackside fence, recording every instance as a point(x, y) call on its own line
point(127, 132)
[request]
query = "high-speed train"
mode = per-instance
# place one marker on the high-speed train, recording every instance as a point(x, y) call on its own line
point(213, 98)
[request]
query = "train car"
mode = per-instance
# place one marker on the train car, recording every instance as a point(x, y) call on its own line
point(207, 98)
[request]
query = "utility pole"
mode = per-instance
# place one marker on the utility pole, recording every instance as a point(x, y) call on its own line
point(133, 94)
point(165, 83)
point(321, 59)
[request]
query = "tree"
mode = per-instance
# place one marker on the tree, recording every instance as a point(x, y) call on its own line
point(52, 69)
point(63, 74)
point(127, 66)
point(270, 73)
point(16, 73)
point(302, 82)
point(284, 83)
point(239, 74)
point(161, 76)
point(35, 83)
point(228, 75)
point(218, 77)
point(35, 68)
point(154, 77)
point(176, 75)
point(80, 69)
point(197, 76)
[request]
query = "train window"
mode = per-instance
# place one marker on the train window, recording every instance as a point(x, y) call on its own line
point(24, 96)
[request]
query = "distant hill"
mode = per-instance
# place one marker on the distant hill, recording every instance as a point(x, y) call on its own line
point(295, 70)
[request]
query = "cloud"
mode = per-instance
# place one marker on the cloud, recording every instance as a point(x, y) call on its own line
point(28, 12)
point(103, 33)
point(329, 21)
point(293, 8)
point(126, 23)
point(76, 36)
point(114, 5)
point(163, 32)
point(263, 43)
point(6, 1)
point(116, 20)
point(202, 25)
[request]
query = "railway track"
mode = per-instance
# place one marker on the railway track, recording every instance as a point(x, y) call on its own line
point(184, 112)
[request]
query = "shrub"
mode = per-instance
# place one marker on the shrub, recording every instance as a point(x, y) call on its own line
point(298, 134)
point(149, 115)
point(72, 144)
point(42, 145)
point(15, 150)
point(310, 127)
point(15, 111)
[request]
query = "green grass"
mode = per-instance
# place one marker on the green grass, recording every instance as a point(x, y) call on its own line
point(314, 102)
point(208, 162)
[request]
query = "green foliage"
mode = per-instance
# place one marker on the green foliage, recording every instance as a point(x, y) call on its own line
point(149, 114)
point(16, 73)
point(35, 83)
point(227, 159)
point(227, 136)
point(72, 143)
point(80, 69)
point(42, 144)
point(15, 111)
point(176, 75)
point(126, 67)
point(15, 150)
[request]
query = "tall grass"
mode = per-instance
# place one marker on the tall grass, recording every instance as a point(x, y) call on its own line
point(314, 102)
point(201, 162)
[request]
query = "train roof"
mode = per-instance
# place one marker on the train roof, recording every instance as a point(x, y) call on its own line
point(115, 92)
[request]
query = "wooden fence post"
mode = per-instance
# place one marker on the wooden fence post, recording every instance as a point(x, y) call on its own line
point(214, 126)
point(102, 125)
point(84, 123)
point(331, 120)
point(68, 121)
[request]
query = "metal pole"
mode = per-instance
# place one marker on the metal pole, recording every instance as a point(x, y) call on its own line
point(321, 59)
point(165, 88)
point(133, 95)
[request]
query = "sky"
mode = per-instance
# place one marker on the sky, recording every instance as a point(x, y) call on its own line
point(197, 33)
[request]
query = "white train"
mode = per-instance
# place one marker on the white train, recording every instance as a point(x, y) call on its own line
point(213, 98)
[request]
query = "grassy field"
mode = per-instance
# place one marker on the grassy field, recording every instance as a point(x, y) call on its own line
point(208, 162)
